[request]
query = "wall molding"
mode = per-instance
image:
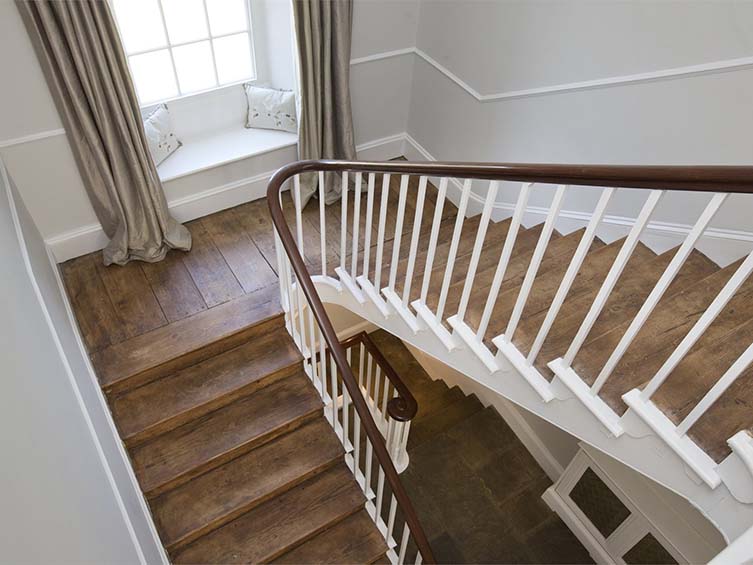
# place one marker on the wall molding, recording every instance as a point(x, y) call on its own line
point(672, 73)
point(31, 137)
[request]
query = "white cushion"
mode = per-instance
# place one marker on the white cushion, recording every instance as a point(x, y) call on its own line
point(160, 135)
point(271, 109)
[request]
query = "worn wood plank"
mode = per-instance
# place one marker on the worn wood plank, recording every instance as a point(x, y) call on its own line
point(208, 269)
point(200, 506)
point(241, 254)
point(167, 403)
point(178, 456)
point(97, 319)
point(132, 297)
point(271, 529)
point(354, 540)
point(173, 287)
point(152, 355)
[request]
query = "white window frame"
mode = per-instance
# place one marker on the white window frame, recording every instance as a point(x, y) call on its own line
point(169, 46)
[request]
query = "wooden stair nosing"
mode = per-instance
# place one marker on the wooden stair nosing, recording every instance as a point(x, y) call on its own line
point(221, 495)
point(174, 458)
point(356, 539)
point(162, 351)
point(167, 403)
point(282, 523)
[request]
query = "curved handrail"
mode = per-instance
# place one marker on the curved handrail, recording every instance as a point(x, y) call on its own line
point(401, 408)
point(338, 354)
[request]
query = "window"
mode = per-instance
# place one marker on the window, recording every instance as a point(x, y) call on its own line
point(179, 47)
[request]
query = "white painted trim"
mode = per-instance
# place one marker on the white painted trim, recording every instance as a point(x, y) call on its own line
point(77, 392)
point(742, 445)
point(576, 525)
point(89, 238)
point(31, 137)
point(713, 67)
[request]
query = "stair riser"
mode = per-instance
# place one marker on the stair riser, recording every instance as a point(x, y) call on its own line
point(223, 458)
point(195, 356)
point(175, 545)
point(216, 403)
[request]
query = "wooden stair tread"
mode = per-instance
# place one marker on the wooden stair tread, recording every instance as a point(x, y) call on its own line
point(355, 539)
point(192, 392)
point(590, 276)
point(642, 270)
point(669, 322)
point(549, 275)
point(282, 523)
point(524, 246)
point(221, 495)
point(157, 353)
point(185, 452)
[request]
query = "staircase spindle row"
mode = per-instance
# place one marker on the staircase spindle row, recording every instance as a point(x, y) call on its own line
point(479, 297)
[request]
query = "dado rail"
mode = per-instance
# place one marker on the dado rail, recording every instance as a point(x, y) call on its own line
point(645, 355)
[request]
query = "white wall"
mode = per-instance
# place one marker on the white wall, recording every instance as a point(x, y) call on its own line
point(62, 501)
point(505, 47)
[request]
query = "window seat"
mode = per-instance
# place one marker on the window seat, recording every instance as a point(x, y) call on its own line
point(221, 148)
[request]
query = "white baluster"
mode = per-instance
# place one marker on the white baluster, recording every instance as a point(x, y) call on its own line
point(333, 394)
point(367, 230)
point(380, 233)
point(533, 267)
point(369, 457)
point(312, 348)
point(391, 519)
point(298, 208)
point(434, 237)
point(728, 378)
point(614, 274)
point(322, 231)
point(572, 271)
point(356, 225)
point(385, 396)
point(659, 289)
point(715, 308)
point(344, 220)
point(419, 558)
point(504, 258)
point(447, 280)
point(478, 246)
point(398, 231)
point(403, 544)
point(414, 239)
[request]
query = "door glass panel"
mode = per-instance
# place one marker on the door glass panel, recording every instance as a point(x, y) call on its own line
point(600, 505)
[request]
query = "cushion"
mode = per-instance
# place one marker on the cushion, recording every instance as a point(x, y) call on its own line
point(159, 134)
point(271, 109)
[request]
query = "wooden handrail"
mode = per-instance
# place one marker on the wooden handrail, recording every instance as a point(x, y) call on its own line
point(338, 354)
point(711, 178)
point(402, 408)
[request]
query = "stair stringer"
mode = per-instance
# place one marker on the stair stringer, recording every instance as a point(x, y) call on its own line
point(639, 447)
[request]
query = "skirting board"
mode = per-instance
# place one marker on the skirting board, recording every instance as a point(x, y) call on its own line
point(90, 238)
point(509, 412)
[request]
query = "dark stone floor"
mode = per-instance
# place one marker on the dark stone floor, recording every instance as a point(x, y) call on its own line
point(476, 488)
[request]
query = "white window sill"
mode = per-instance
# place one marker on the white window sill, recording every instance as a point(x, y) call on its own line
point(220, 148)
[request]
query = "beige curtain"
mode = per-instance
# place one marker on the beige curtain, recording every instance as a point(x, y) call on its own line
point(78, 46)
point(323, 34)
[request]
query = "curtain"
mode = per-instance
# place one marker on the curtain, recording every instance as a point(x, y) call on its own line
point(323, 34)
point(78, 46)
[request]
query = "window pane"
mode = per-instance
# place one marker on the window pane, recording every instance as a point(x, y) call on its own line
point(185, 19)
point(140, 24)
point(233, 55)
point(153, 76)
point(226, 16)
point(194, 65)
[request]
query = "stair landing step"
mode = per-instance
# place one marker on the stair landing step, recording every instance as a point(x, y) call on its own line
point(204, 504)
point(162, 351)
point(167, 403)
point(203, 444)
point(354, 540)
point(281, 524)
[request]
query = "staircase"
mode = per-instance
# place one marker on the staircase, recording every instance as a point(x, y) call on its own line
point(644, 355)
point(231, 444)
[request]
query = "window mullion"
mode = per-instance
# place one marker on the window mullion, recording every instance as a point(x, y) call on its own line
point(169, 47)
point(211, 43)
